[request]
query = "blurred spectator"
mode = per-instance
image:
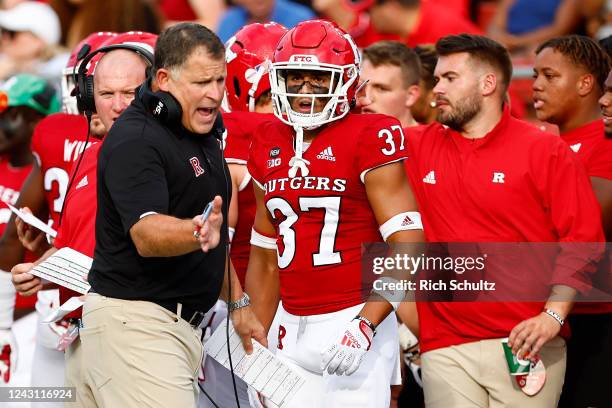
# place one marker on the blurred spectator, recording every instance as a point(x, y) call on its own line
point(29, 41)
point(80, 18)
point(205, 12)
point(245, 12)
point(606, 45)
point(392, 71)
point(424, 110)
point(411, 21)
point(523, 24)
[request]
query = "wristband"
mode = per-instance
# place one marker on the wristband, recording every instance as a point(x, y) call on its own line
point(368, 323)
point(555, 316)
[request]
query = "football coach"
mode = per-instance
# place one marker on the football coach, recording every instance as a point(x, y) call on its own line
point(159, 263)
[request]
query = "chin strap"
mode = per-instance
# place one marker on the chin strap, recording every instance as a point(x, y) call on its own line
point(297, 162)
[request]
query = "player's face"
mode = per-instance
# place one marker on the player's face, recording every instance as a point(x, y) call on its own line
point(385, 91)
point(116, 78)
point(198, 86)
point(555, 86)
point(457, 90)
point(384, 17)
point(14, 131)
point(308, 82)
point(605, 102)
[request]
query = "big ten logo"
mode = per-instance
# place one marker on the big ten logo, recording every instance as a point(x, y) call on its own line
point(274, 162)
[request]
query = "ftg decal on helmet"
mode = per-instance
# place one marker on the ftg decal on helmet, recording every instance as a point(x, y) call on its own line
point(248, 55)
point(315, 45)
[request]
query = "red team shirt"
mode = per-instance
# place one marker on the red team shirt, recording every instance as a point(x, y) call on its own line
point(322, 219)
point(56, 143)
point(240, 127)
point(453, 179)
point(79, 220)
point(594, 150)
point(11, 180)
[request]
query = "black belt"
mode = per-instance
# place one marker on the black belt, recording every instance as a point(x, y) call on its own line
point(188, 313)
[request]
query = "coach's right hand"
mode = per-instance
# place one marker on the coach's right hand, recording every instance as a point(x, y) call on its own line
point(248, 327)
point(25, 283)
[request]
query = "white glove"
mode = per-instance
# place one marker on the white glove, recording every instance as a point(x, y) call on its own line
point(8, 354)
point(346, 353)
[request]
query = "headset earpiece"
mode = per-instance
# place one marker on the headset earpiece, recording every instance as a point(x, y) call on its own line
point(84, 90)
point(162, 105)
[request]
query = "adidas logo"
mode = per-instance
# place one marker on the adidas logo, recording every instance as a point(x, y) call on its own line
point(407, 220)
point(430, 178)
point(327, 154)
point(576, 147)
point(82, 183)
point(350, 341)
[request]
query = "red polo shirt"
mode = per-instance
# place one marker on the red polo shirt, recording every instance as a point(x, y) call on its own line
point(594, 151)
point(78, 227)
point(517, 184)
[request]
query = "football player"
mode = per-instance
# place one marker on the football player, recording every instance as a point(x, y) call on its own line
point(24, 100)
point(248, 55)
point(326, 181)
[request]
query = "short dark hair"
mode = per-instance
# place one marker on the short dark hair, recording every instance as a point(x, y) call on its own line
point(175, 44)
point(582, 51)
point(606, 45)
point(429, 58)
point(479, 48)
point(397, 54)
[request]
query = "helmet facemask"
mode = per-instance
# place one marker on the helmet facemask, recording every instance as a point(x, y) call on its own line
point(337, 103)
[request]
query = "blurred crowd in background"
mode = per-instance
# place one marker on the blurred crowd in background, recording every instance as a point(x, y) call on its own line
point(37, 35)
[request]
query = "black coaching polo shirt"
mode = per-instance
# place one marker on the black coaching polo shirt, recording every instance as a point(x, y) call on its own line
point(146, 167)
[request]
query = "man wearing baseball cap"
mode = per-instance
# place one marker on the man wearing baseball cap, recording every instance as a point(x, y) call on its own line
point(24, 101)
point(30, 34)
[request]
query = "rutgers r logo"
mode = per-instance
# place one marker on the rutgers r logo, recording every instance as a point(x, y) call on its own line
point(282, 332)
point(195, 163)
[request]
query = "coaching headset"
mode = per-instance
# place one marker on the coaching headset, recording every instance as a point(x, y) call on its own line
point(84, 90)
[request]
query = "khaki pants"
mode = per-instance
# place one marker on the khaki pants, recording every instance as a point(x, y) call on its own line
point(138, 354)
point(74, 376)
point(476, 375)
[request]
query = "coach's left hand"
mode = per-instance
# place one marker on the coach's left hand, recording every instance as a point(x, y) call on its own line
point(248, 327)
point(345, 354)
point(210, 230)
point(528, 337)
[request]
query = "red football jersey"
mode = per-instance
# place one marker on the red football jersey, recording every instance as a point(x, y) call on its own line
point(57, 141)
point(322, 219)
point(595, 152)
point(517, 184)
point(240, 127)
point(11, 179)
point(78, 227)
